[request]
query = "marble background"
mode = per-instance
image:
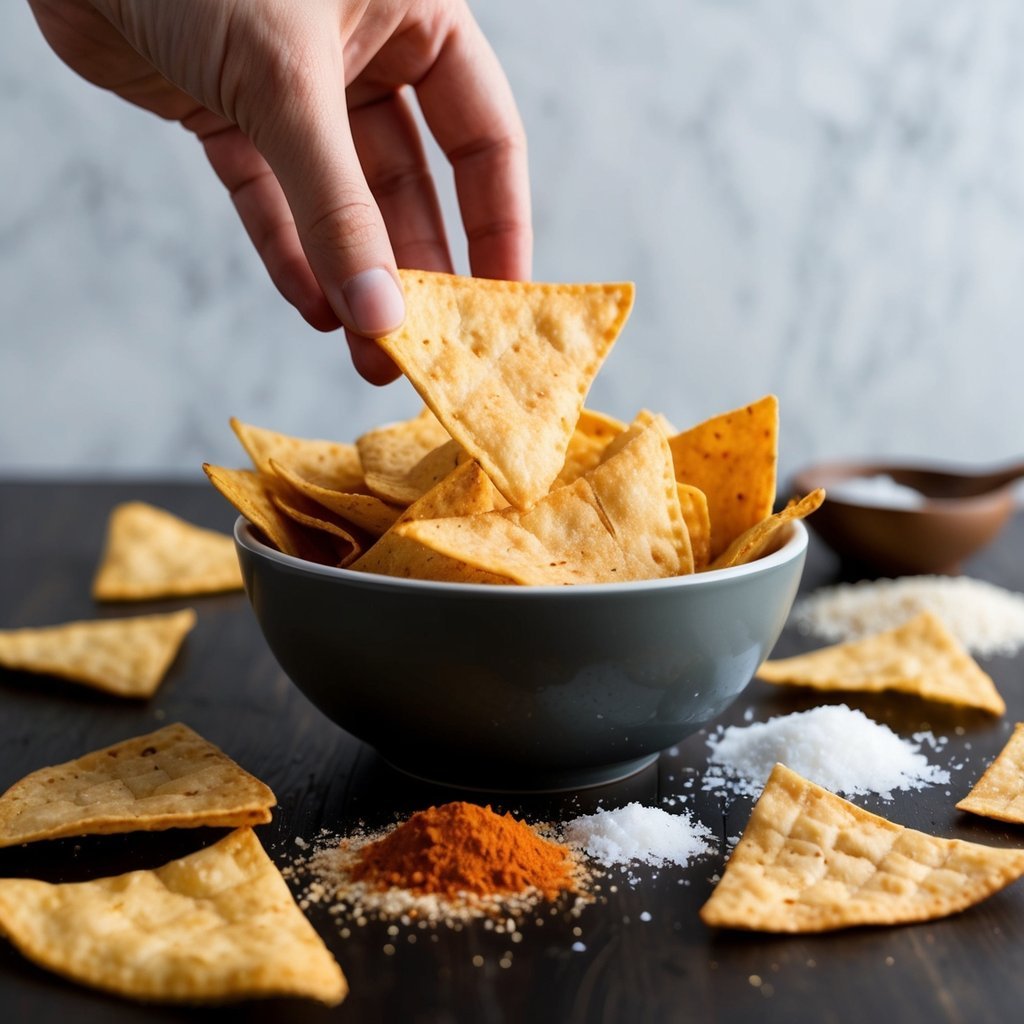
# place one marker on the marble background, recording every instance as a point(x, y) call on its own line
point(820, 199)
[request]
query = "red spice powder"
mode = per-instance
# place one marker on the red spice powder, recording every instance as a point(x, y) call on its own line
point(461, 847)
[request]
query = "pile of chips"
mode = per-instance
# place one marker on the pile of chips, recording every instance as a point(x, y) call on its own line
point(505, 476)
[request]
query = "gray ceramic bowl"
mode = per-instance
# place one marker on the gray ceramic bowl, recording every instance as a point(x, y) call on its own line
point(519, 688)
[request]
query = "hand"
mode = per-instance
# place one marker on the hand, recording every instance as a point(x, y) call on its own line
point(302, 111)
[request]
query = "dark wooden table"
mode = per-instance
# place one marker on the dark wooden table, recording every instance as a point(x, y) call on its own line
point(641, 952)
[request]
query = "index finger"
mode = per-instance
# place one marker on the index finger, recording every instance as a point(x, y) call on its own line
point(468, 105)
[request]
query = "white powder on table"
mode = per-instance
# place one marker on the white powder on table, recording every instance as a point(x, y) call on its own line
point(987, 619)
point(835, 746)
point(637, 833)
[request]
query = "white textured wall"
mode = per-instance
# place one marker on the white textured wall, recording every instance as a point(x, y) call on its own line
point(822, 199)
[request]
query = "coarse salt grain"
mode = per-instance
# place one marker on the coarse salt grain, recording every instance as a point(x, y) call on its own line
point(987, 619)
point(637, 833)
point(835, 746)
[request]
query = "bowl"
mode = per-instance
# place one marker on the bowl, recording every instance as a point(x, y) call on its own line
point(513, 688)
point(925, 518)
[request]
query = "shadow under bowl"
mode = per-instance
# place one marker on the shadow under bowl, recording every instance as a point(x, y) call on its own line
point(952, 521)
point(519, 689)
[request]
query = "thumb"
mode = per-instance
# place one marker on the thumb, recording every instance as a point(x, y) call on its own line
point(308, 144)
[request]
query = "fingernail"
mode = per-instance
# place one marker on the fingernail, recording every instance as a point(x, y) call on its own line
point(374, 302)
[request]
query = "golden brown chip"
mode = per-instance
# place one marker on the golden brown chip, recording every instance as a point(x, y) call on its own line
point(171, 778)
point(762, 538)
point(253, 494)
point(621, 521)
point(594, 431)
point(694, 505)
point(466, 491)
point(921, 657)
point(216, 925)
point(128, 657)
point(150, 553)
point(346, 543)
point(999, 793)
point(366, 511)
point(733, 459)
point(327, 463)
point(506, 366)
point(810, 861)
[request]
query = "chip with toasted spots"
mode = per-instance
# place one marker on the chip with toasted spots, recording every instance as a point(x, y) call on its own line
point(128, 657)
point(171, 778)
point(151, 553)
point(920, 657)
point(999, 793)
point(733, 459)
point(506, 366)
point(215, 926)
point(810, 861)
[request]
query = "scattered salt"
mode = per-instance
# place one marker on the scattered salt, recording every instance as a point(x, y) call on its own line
point(835, 746)
point(986, 618)
point(638, 833)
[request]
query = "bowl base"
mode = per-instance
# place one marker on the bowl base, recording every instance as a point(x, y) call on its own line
point(511, 780)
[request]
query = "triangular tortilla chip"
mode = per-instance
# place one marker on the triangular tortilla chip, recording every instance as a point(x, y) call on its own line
point(171, 778)
point(999, 793)
point(217, 925)
point(763, 537)
point(921, 657)
point(466, 491)
point(328, 463)
point(621, 521)
point(593, 433)
point(128, 657)
point(694, 504)
point(733, 459)
point(810, 861)
point(151, 553)
point(506, 366)
point(346, 543)
point(253, 494)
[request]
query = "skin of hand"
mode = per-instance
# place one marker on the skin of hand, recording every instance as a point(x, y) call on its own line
point(303, 109)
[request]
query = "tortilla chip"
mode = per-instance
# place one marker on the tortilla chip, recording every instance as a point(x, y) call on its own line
point(466, 491)
point(621, 521)
point(171, 778)
point(346, 543)
point(810, 861)
point(506, 366)
point(329, 463)
point(763, 537)
point(150, 553)
point(127, 657)
point(694, 505)
point(365, 511)
point(593, 433)
point(216, 925)
point(999, 793)
point(733, 459)
point(921, 657)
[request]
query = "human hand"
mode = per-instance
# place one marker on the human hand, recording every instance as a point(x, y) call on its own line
point(302, 111)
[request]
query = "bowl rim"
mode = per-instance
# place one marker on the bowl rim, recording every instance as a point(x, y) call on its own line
point(792, 548)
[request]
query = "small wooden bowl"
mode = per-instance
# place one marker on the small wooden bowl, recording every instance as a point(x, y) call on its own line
point(960, 512)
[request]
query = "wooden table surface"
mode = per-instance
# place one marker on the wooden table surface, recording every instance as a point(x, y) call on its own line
point(639, 953)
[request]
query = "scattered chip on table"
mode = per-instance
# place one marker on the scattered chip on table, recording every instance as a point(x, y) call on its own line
point(733, 459)
point(506, 366)
point(171, 778)
point(150, 553)
point(620, 521)
point(999, 793)
point(810, 861)
point(921, 657)
point(215, 926)
point(128, 657)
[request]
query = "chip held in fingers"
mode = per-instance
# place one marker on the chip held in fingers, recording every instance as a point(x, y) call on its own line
point(506, 366)
point(216, 926)
point(810, 861)
point(171, 778)
point(921, 657)
point(128, 657)
point(150, 553)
